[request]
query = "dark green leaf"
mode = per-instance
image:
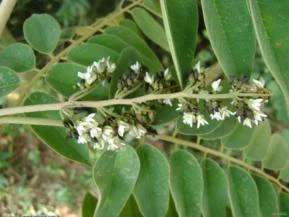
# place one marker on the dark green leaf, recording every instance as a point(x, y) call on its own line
point(186, 182)
point(277, 154)
point(267, 196)
point(88, 205)
point(150, 27)
point(115, 175)
point(56, 138)
point(127, 23)
point(9, 80)
point(243, 193)
point(215, 189)
point(152, 188)
point(224, 129)
point(110, 41)
point(132, 39)
point(42, 32)
point(231, 34)
point(181, 24)
point(259, 143)
point(18, 56)
point(130, 209)
point(284, 204)
point(272, 30)
point(86, 54)
point(240, 137)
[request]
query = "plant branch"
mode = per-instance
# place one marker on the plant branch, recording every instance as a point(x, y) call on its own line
point(95, 27)
point(223, 156)
point(6, 8)
point(130, 101)
point(30, 121)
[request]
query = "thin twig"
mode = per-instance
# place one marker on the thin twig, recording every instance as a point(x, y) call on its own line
point(111, 102)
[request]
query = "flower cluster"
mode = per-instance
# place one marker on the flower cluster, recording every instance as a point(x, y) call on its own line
point(247, 110)
point(97, 72)
point(104, 135)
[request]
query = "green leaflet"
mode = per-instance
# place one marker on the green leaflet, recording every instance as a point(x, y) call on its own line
point(267, 197)
point(18, 56)
point(88, 205)
point(115, 174)
point(134, 40)
point(129, 24)
point(9, 80)
point(284, 203)
point(55, 137)
point(186, 183)
point(277, 154)
point(109, 41)
point(259, 143)
point(181, 24)
point(150, 27)
point(42, 32)
point(86, 54)
point(215, 189)
point(243, 193)
point(231, 34)
point(152, 188)
point(131, 209)
point(239, 138)
point(272, 30)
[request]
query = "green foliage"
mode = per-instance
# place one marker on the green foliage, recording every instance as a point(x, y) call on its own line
point(181, 24)
point(42, 32)
point(88, 205)
point(18, 56)
point(56, 138)
point(231, 34)
point(8, 80)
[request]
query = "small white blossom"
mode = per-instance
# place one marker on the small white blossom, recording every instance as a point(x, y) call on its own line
point(141, 131)
point(259, 116)
point(110, 67)
point(100, 65)
point(247, 122)
point(255, 104)
point(83, 139)
point(123, 127)
point(114, 143)
point(108, 133)
point(222, 113)
point(168, 102)
point(201, 121)
point(216, 85)
point(189, 118)
point(216, 116)
point(136, 67)
point(149, 78)
point(180, 106)
point(95, 132)
point(259, 83)
point(198, 67)
point(167, 74)
point(89, 77)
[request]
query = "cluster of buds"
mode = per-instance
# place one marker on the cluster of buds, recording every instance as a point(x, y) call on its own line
point(97, 72)
point(116, 130)
point(110, 134)
point(246, 109)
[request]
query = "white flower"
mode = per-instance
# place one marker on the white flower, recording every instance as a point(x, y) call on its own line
point(260, 84)
point(123, 127)
point(168, 102)
point(216, 85)
point(180, 106)
point(141, 131)
point(136, 67)
point(100, 65)
point(83, 139)
point(149, 78)
point(167, 74)
point(198, 67)
point(225, 112)
point(255, 104)
point(89, 77)
point(217, 115)
point(259, 116)
point(95, 132)
point(110, 67)
point(201, 121)
point(99, 145)
point(247, 122)
point(189, 118)
point(108, 133)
